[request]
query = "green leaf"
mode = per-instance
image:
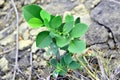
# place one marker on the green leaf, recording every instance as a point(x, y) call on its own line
point(62, 62)
point(79, 30)
point(74, 65)
point(60, 28)
point(77, 46)
point(67, 58)
point(77, 20)
point(54, 34)
point(69, 18)
point(35, 23)
point(54, 49)
point(62, 73)
point(31, 11)
point(56, 22)
point(43, 39)
point(46, 23)
point(68, 27)
point(55, 73)
point(45, 15)
point(53, 62)
point(62, 41)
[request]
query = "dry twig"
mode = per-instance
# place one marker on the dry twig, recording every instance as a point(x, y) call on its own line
point(17, 35)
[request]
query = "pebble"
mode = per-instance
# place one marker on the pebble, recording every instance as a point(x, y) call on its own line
point(26, 35)
point(23, 27)
point(24, 44)
point(34, 32)
point(2, 2)
point(7, 76)
point(34, 48)
point(80, 10)
point(33, 1)
point(47, 56)
point(35, 64)
point(111, 44)
point(4, 64)
point(42, 63)
point(34, 57)
point(8, 39)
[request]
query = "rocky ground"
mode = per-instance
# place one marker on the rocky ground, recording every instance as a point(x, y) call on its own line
point(103, 35)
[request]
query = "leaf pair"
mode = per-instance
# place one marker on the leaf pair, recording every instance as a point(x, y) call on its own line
point(35, 15)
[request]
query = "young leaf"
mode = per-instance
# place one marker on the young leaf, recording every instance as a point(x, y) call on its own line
point(74, 65)
point(67, 58)
point(77, 46)
point(53, 34)
point(79, 30)
point(62, 41)
point(35, 23)
point(31, 11)
point(69, 18)
point(77, 20)
point(43, 39)
point(45, 15)
point(56, 22)
point(46, 23)
point(67, 27)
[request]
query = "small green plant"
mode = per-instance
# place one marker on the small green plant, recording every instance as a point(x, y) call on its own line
point(59, 35)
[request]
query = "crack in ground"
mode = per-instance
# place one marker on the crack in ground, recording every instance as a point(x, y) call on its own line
point(109, 31)
point(97, 43)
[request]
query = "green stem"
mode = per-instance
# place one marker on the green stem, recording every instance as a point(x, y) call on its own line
point(96, 78)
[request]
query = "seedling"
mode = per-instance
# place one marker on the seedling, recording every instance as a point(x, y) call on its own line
point(59, 35)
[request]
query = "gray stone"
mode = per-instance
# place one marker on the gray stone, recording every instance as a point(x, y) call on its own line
point(4, 64)
point(96, 34)
point(5, 32)
point(60, 6)
point(24, 44)
point(2, 2)
point(111, 44)
point(107, 13)
point(24, 62)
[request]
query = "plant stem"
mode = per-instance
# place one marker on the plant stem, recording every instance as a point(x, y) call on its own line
point(55, 50)
point(96, 78)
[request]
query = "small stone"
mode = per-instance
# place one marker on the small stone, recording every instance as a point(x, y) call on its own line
point(24, 44)
point(80, 10)
point(35, 64)
point(34, 56)
point(47, 56)
point(33, 1)
point(9, 39)
point(34, 48)
point(43, 63)
point(23, 27)
point(4, 64)
point(26, 35)
point(111, 44)
point(7, 76)
point(2, 2)
point(24, 62)
point(34, 32)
